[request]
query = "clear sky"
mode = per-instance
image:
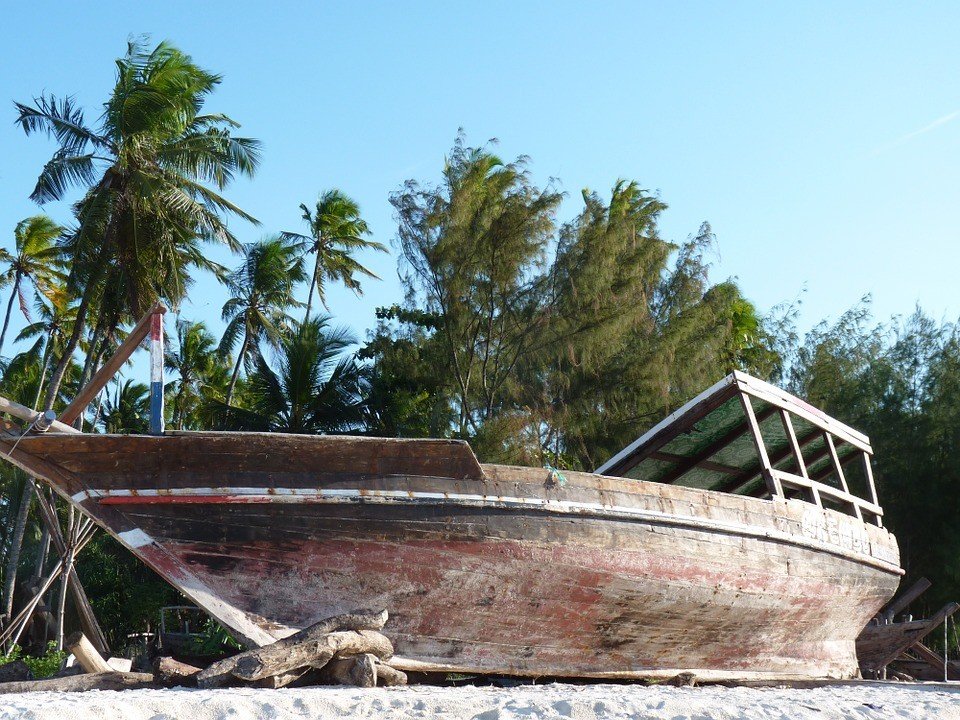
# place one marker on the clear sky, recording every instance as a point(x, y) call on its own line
point(820, 139)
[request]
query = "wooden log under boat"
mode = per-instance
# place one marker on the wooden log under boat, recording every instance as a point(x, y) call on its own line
point(483, 568)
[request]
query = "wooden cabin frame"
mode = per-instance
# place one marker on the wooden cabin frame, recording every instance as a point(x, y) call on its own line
point(786, 472)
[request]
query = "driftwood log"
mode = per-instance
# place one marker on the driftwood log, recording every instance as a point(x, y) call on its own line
point(171, 673)
point(349, 634)
point(86, 654)
point(362, 671)
point(270, 660)
point(359, 671)
point(282, 680)
point(79, 683)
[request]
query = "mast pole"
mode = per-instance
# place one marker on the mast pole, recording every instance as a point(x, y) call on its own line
point(156, 373)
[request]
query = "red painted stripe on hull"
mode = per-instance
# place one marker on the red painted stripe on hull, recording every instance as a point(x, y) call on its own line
point(190, 500)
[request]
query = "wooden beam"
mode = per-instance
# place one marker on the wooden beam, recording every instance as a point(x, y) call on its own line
point(704, 464)
point(773, 484)
point(871, 485)
point(841, 496)
point(839, 469)
point(86, 654)
point(30, 415)
point(930, 657)
point(712, 449)
point(826, 470)
point(87, 617)
point(736, 483)
point(912, 632)
point(110, 368)
point(775, 396)
point(677, 422)
point(794, 445)
point(900, 603)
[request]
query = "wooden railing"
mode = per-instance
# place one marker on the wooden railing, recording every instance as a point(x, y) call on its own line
point(826, 428)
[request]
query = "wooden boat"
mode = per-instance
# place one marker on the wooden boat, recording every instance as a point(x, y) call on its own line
point(726, 542)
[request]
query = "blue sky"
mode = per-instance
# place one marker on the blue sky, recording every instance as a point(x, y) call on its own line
point(820, 139)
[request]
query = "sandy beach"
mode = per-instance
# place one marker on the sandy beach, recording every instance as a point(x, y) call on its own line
point(861, 701)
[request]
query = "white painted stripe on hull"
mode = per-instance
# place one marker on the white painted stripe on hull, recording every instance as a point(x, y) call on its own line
point(349, 495)
point(135, 538)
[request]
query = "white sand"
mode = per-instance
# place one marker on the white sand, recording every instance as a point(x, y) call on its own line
point(861, 701)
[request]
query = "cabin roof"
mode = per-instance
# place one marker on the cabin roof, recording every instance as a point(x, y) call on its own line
point(710, 443)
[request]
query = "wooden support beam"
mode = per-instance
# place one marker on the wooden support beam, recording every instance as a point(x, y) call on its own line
point(703, 464)
point(930, 658)
point(88, 620)
point(86, 654)
point(794, 445)
point(900, 602)
point(110, 368)
point(29, 415)
point(871, 485)
point(773, 484)
point(678, 422)
point(878, 645)
point(775, 396)
point(736, 483)
point(845, 498)
point(712, 449)
point(828, 469)
point(838, 467)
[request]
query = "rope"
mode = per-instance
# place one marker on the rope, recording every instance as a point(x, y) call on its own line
point(20, 437)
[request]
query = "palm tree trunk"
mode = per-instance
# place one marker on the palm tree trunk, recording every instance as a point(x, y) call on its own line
point(16, 545)
point(42, 553)
point(91, 363)
point(65, 577)
point(57, 378)
point(6, 320)
point(236, 369)
point(313, 284)
point(47, 354)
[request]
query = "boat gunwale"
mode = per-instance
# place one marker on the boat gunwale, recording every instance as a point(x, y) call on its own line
point(506, 474)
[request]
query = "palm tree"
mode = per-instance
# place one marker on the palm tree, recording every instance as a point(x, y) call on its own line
point(154, 168)
point(262, 291)
point(197, 364)
point(128, 411)
point(314, 389)
point(37, 260)
point(336, 232)
point(55, 324)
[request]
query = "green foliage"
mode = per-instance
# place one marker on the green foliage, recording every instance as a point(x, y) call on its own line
point(213, 639)
point(314, 388)
point(900, 384)
point(125, 594)
point(41, 666)
point(262, 294)
point(336, 232)
point(535, 361)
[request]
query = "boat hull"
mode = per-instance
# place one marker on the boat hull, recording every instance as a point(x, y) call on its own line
point(485, 568)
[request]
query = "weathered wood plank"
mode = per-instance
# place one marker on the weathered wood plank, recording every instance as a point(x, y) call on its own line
point(111, 366)
point(82, 683)
point(88, 657)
